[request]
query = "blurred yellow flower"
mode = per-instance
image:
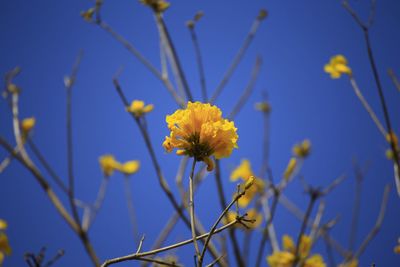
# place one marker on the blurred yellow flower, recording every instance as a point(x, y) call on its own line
point(257, 187)
point(243, 171)
point(3, 225)
point(290, 168)
point(263, 107)
point(281, 259)
point(337, 66)
point(303, 149)
point(252, 214)
point(130, 167)
point(156, 5)
point(28, 124)
point(5, 248)
point(287, 257)
point(88, 14)
point(199, 131)
point(108, 164)
point(138, 109)
point(351, 263)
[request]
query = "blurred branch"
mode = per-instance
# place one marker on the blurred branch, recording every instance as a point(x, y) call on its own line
point(248, 90)
point(238, 57)
point(394, 79)
point(378, 223)
point(365, 28)
point(164, 79)
point(199, 59)
point(131, 208)
point(223, 204)
point(172, 56)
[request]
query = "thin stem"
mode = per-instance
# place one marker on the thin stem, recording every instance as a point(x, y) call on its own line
point(69, 82)
point(131, 208)
point(223, 204)
point(199, 60)
point(167, 83)
point(137, 256)
point(267, 225)
point(238, 57)
point(313, 198)
point(394, 79)
point(246, 246)
point(90, 216)
point(378, 223)
point(367, 107)
point(191, 205)
point(173, 56)
point(46, 165)
point(248, 90)
point(214, 227)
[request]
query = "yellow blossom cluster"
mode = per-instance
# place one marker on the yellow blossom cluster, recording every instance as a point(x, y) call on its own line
point(138, 108)
point(27, 124)
point(158, 6)
point(287, 257)
point(303, 149)
point(5, 249)
point(109, 164)
point(244, 172)
point(337, 66)
point(200, 131)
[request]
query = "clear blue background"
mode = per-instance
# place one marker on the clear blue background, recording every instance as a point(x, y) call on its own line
point(297, 39)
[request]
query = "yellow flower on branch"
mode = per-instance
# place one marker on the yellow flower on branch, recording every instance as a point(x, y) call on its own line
point(290, 168)
point(109, 164)
point(157, 5)
point(243, 171)
point(199, 131)
point(28, 124)
point(257, 187)
point(138, 108)
point(337, 66)
point(287, 257)
point(303, 149)
point(130, 167)
point(255, 219)
point(5, 248)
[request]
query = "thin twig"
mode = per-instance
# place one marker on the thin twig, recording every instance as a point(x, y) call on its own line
point(167, 83)
point(248, 90)
point(192, 220)
point(199, 60)
point(367, 107)
point(317, 221)
point(223, 204)
point(214, 227)
point(238, 57)
point(394, 79)
point(58, 256)
point(173, 56)
point(46, 165)
point(131, 209)
point(215, 261)
point(378, 224)
point(155, 251)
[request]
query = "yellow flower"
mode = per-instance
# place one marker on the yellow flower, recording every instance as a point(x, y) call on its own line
point(88, 14)
point(156, 5)
point(304, 248)
point(138, 109)
point(3, 225)
point(5, 248)
point(257, 187)
point(263, 107)
point(351, 263)
point(337, 66)
point(303, 149)
point(281, 259)
point(392, 137)
point(315, 260)
point(130, 167)
point(290, 168)
point(28, 124)
point(108, 164)
point(242, 171)
point(199, 131)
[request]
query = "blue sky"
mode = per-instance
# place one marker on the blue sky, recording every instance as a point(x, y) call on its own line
point(295, 41)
